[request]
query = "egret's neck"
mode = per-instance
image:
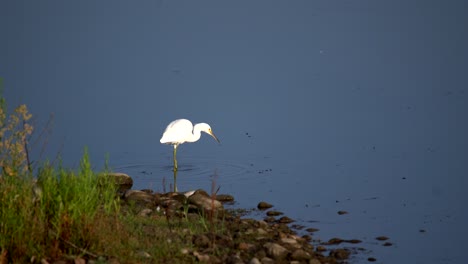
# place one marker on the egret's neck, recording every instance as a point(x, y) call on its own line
point(196, 134)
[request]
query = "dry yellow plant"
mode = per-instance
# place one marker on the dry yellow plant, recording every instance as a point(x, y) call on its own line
point(14, 134)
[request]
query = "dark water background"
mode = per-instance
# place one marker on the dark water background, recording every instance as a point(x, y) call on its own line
point(320, 106)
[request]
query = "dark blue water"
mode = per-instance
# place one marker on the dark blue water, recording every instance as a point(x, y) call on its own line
point(320, 106)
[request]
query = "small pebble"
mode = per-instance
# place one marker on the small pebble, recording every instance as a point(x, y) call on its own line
point(334, 241)
point(321, 248)
point(285, 220)
point(354, 241)
point(273, 213)
point(224, 198)
point(381, 238)
point(264, 205)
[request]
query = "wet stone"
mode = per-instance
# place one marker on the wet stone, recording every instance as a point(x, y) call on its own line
point(307, 238)
point(334, 241)
point(298, 227)
point(273, 213)
point(321, 248)
point(264, 205)
point(311, 229)
point(300, 254)
point(340, 253)
point(224, 198)
point(285, 220)
point(381, 238)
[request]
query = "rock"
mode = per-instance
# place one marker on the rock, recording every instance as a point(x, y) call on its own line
point(311, 229)
point(275, 251)
point(204, 202)
point(321, 248)
point(290, 241)
point(267, 260)
point(371, 259)
point(269, 219)
point(285, 220)
point(314, 261)
point(254, 260)
point(353, 241)
point(122, 180)
point(224, 198)
point(246, 246)
point(300, 254)
point(201, 241)
point(340, 253)
point(298, 227)
point(143, 254)
point(145, 212)
point(201, 257)
point(264, 205)
point(342, 212)
point(139, 197)
point(234, 259)
point(80, 261)
point(334, 241)
point(171, 204)
point(263, 224)
point(381, 238)
point(273, 213)
point(261, 231)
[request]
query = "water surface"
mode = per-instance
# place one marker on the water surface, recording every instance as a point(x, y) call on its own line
point(320, 106)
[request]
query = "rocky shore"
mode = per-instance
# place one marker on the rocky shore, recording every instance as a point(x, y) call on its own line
point(245, 240)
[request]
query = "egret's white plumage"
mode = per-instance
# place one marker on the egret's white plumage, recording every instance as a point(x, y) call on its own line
point(182, 130)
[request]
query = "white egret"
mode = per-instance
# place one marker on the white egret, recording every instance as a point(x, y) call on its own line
point(180, 131)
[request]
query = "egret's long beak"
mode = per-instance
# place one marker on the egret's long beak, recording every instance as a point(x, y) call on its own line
point(213, 135)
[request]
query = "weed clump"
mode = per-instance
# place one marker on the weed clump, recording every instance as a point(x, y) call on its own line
point(52, 213)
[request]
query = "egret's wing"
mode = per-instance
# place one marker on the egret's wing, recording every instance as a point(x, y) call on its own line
point(177, 132)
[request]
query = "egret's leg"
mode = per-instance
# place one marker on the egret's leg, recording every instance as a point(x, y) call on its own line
point(175, 159)
point(175, 180)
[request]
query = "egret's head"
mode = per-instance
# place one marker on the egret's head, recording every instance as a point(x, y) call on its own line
point(207, 129)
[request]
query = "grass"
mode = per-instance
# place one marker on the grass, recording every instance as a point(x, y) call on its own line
point(48, 215)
